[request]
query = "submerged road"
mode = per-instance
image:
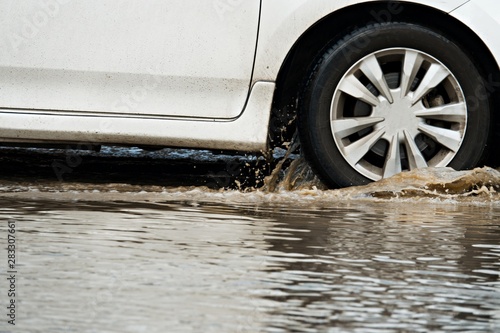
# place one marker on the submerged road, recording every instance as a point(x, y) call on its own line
point(131, 241)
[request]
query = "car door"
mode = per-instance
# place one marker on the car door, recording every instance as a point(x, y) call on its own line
point(180, 58)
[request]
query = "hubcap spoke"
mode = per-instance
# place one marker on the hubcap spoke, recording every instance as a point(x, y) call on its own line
point(449, 112)
point(411, 66)
point(415, 157)
point(351, 86)
point(393, 160)
point(345, 127)
point(371, 68)
point(358, 149)
point(434, 76)
point(448, 138)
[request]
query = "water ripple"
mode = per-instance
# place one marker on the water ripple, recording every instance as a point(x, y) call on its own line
point(206, 267)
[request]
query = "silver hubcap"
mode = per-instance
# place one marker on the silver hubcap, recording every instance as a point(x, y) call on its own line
point(398, 109)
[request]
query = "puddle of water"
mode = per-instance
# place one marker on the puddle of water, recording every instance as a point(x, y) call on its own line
point(348, 266)
point(134, 242)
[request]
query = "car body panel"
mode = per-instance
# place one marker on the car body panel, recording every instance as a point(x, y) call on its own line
point(205, 104)
point(186, 58)
point(284, 21)
point(483, 18)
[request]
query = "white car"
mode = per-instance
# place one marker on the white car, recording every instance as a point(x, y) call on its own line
point(374, 87)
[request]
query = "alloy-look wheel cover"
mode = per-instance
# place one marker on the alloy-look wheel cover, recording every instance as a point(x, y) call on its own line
point(400, 118)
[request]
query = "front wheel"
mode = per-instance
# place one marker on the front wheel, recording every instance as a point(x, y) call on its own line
point(407, 98)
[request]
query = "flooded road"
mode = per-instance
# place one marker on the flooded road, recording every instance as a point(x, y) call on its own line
point(417, 253)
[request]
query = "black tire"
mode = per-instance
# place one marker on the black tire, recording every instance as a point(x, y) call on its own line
point(316, 110)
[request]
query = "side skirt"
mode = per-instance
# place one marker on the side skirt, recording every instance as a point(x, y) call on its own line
point(248, 132)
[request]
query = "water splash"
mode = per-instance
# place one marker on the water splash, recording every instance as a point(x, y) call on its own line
point(292, 172)
point(299, 175)
point(436, 183)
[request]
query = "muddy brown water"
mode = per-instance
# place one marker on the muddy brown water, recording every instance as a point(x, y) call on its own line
point(416, 253)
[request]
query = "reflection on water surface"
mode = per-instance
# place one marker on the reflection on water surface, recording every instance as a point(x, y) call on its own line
point(206, 267)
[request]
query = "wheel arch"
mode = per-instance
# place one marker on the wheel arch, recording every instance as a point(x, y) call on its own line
point(309, 46)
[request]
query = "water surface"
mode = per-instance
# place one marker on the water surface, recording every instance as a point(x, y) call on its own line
point(253, 265)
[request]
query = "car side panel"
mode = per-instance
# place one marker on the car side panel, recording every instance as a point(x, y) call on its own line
point(186, 58)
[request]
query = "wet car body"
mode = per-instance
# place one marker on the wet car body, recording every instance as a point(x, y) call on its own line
point(233, 75)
